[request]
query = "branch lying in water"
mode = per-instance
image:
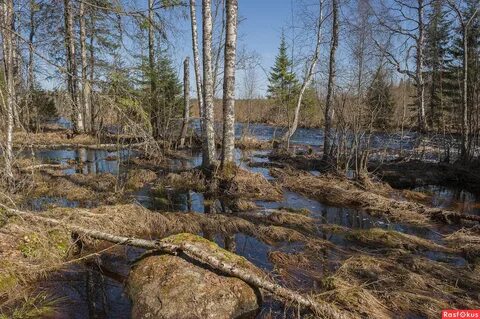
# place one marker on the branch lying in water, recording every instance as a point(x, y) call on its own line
point(87, 146)
point(322, 309)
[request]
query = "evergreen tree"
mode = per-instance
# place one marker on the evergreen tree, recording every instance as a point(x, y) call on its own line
point(380, 101)
point(454, 90)
point(437, 60)
point(282, 81)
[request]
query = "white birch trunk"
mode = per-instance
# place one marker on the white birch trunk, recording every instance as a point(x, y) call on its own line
point(196, 60)
point(419, 68)
point(85, 83)
point(72, 79)
point(229, 82)
point(10, 85)
point(209, 157)
point(308, 77)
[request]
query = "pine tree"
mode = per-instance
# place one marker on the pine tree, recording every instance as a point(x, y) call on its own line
point(380, 101)
point(282, 81)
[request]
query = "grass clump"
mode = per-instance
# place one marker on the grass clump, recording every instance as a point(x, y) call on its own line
point(378, 237)
point(402, 284)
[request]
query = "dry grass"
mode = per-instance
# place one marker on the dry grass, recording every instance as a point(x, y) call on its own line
point(338, 191)
point(401, 284)
point(282, 218)
point(252, 143)
point(27, 252)
point(382, 238)
point(466, 240)
point(137, 178)
point(77, 187)
point(240, 183)
point(50, 138)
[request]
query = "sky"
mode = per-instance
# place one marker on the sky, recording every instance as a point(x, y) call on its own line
point(259, 31)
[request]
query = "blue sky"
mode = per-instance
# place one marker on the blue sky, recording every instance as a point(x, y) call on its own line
point(259, 31)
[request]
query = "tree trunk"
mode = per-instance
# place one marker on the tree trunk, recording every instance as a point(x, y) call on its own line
point(308, 77)
point(231, 9)
point(208, 123)
point(93, 111)
point(85, 83)
point(196, 60)
point(151, 66)
point(72, 80)
point(31, 65)
point(9, 81)
point(422, 124)
point(327, 145)
point(186, 100)
point(465, 128)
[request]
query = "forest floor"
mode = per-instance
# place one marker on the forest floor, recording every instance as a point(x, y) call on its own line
point(369, 248)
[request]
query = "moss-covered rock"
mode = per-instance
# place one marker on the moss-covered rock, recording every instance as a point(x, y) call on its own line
point(166, 286)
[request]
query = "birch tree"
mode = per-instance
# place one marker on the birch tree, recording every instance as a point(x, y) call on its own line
point(311, 66)
point(72, 80)
point(196, 59)
point(409, 24)
point(329, 104)
point(31, 63)
point(9, 100)
point(231, 9)
point(85, 82)
point(209, 157)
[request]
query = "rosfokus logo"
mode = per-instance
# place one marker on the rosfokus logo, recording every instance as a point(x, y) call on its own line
point(460, 314)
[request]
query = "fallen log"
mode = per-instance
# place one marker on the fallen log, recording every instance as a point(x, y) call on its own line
point(87, 146)
point(43, 166)
point(323, 310)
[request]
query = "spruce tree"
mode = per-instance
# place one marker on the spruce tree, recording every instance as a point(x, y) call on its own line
point(380, 101)
point(437, 60)
point(282, 81)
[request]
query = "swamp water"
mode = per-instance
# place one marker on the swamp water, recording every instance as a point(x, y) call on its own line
point(96, 291)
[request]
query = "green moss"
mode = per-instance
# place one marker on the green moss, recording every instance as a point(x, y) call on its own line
point(7, 282)
point(39, 306)
point(210, 246)
point(30, 245)
point(3, 217)
point(59, 240)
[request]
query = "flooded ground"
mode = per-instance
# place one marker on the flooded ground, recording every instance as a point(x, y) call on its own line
point(109, 300)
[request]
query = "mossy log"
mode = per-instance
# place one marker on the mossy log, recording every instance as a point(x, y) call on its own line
point(194, 252)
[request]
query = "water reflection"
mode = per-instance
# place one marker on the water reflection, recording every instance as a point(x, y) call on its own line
point(452, 198)
point(84, 161)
